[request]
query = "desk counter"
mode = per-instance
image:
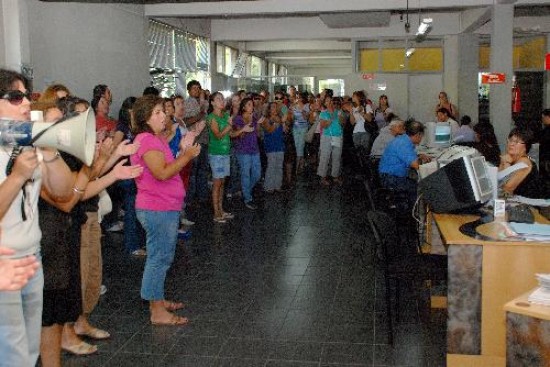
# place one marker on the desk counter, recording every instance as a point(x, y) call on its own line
point(482, 277)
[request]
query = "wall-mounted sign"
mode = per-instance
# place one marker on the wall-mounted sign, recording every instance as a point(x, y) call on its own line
point(547, 62)
point(369, 76)
point(377, 86)
point(493, 78)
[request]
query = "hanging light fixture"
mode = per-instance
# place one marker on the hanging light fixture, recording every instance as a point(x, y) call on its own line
point(424, 28)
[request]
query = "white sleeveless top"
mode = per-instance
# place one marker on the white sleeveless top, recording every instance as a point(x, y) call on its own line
point(22, 236)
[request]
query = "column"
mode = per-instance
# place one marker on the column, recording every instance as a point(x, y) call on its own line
point(500, 95)
point(15, 34)
point(450, 69)
point(468, 69)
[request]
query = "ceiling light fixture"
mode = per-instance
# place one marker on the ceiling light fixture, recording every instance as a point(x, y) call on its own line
point(409, 51)
point(424, 28)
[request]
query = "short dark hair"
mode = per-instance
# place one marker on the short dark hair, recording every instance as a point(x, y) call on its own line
point(99, 90)
point(546, 112)
point(151, 91)
point(143, 109)
point(465, 120)
point(191, 83)
point(414, 127)
point(525, 135)
point(443, 110)
point(9, 77)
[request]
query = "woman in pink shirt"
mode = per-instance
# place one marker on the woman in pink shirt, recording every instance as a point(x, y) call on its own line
point(158, 203)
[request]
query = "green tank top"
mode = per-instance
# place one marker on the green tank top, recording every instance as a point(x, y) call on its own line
point(218, 146)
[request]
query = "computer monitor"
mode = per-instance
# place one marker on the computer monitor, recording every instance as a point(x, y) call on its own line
point(461, 185)
point(437, 135)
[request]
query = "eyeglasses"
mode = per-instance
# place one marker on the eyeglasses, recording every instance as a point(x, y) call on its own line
point(514, 142)
point(15, 97)
point(278, 99)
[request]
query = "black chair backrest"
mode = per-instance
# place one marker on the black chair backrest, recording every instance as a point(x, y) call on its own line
point(385, 233)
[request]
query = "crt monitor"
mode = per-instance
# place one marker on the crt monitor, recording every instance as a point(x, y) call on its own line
point(437, 135)
point(461, 185)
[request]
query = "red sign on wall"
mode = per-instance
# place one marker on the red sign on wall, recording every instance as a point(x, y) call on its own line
point(368, 76)
point(547, 62)
point(493, 78)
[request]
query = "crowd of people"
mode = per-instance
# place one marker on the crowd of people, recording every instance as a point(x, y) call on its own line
point(161, 156)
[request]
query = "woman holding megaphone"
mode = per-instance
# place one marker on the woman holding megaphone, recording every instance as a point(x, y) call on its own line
point(21, 310)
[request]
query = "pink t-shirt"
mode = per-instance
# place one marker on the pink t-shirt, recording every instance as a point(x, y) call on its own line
point(155, 194)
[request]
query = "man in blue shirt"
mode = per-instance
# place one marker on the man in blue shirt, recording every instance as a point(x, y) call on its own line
point(399, 156)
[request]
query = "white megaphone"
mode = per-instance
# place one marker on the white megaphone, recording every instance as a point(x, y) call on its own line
point(74, 135)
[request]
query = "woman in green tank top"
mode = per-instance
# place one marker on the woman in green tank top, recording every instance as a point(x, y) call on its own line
point(219, 127)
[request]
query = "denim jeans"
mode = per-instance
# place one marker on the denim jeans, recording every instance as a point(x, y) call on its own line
point(198, 182)
point(21, 322)
point(251, 171)
point(235, 174)
point(161, 228)
point(134, 236)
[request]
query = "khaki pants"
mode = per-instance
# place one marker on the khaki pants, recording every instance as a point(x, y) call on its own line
point(91, 266)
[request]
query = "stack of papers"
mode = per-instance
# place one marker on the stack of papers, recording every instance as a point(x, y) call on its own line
point(541, 295)
point(529, 231)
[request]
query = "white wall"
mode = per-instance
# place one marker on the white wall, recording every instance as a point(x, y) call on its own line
point(396, 89)
point(81, 45)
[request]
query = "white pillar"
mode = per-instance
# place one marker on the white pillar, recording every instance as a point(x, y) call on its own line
point(450, 69)
point(15, 34)
point(468, 69)
point(500, 95)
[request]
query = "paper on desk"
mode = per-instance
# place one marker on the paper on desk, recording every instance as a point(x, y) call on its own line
point(529, 201)
point(534, 229)
point(506, 172)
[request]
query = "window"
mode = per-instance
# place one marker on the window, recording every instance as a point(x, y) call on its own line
point(176, 57)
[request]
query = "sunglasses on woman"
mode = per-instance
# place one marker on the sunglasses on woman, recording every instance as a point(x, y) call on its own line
point(15, 97)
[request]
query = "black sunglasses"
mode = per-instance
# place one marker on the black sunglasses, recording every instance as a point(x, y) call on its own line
point(15, 97)
point(278, 99)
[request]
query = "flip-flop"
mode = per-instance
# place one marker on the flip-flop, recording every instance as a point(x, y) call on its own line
point(173, 306)
point(175, 320)
point(94, 333)
point(80, 349)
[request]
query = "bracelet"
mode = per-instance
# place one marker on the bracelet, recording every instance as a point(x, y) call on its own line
point(56, 157)
point(78, 191)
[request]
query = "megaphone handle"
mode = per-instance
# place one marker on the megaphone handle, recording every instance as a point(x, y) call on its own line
point(13, 156)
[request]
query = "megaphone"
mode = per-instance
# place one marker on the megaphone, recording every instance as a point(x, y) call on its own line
point(74, 135)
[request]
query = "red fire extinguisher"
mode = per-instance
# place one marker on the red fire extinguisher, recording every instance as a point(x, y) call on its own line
point(516, 98)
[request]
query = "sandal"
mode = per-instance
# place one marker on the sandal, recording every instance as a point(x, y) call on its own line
point(220, 219)
point(173, 306)
point(94, 333)
point(226, 215)
point(139, 253)
point(80, 349)
point(175, 320)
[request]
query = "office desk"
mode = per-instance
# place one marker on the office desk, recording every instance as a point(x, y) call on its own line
point(482, 277)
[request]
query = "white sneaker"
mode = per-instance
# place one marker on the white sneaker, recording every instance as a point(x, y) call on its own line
point(186, 222)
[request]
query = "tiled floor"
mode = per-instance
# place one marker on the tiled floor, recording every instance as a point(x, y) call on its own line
point(292, 284)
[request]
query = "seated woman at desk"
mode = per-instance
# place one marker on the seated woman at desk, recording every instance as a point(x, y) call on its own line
point(524, 181)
